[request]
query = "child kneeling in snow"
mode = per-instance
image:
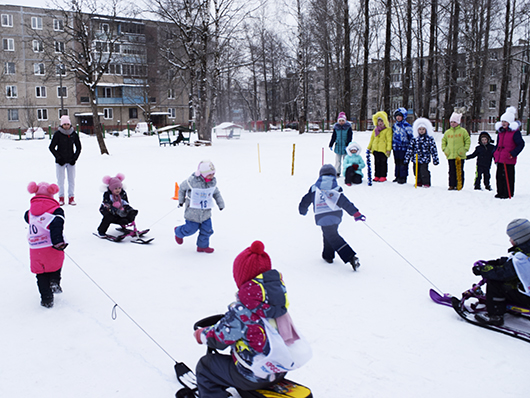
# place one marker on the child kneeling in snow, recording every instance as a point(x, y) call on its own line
point(507, 278)
point(46, 242)
point(115, 207)
point(256, 328)
point(198, 193)
point(353, 165)
point(328, 202)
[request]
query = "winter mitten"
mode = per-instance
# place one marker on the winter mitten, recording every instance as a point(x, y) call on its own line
point(116, 204)
point(355, 166)
point(60, 246)
point(359, 217)
point(198, 334)
point(331, 148)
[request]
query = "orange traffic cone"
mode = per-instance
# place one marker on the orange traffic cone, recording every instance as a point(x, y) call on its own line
point(176, 197)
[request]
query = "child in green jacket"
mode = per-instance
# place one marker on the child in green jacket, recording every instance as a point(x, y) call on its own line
point(455, 144)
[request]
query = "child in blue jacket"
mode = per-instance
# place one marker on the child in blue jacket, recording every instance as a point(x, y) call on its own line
point(401, 137)
point(353, 165)
point(328, 201)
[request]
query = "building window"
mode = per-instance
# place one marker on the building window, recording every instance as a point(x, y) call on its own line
point(42, 114)
point(493, 104)
point(8, 44)
point(492, 119)
point(493, 55)
point(63, 112)
point(84, 100)
point(171, 93)
point(38, 47)
point(508, 94)
point(59, 46)
point(12, 115)
point(40, 92)
point(62, 92)
point(107, 113)
point(36, 23)
point(11, 92)
point(9, 68)
point(7, 20)
point(493, 88)
point(60, 70)
point(172, 113)
point(133, 113)
point(104, 27)
point(58, 25)
point(39, 69)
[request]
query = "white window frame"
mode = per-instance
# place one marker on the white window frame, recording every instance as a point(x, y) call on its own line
point(7, 20)
point(36, 23)
point(492, 104)
point(8, 44)
point(38, 46)
point(38, 70)
point(60, 67)
point(170, 93)
point(65, 91)
point(40, 92)
point(58, 25)
point(42, 114)
point(59, 46)
point(108, 113)
point(10, 113)
point(7, 69)
point(64, 112)
point(172, 113)
point(11, 91)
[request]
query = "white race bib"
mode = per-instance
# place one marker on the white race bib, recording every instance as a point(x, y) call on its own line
point(326, 200)
point(202, 198)
point(521, 264)
point(39, 234)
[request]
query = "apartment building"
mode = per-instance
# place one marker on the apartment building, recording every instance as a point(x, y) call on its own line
point(38, 88)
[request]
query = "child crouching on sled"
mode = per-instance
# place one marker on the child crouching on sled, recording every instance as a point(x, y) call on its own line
point(115, 207)
point(46, 241)
point(507, 278)
point(328, 201)
point(353, 165)
point(257, 328)
point(198, 193)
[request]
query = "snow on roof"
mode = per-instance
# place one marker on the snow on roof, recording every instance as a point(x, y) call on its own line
point(227, 125)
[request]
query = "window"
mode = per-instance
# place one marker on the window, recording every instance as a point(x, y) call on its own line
point(58, 24)
point(8, 44)
point(107, 113)
point(38, 46)
point(133, 113)
point(104, 27)
point(493, 72)
point(60, 70)
point(40, 92)
point(493, 55)
point(39, 69)
point(171, 93)
point(493, 88)
point(508, 94)
point(12, 115)
point(9, 68)
point(59, 46)
point(492, 119)
point(36, 23)
point(11, 92)
point(42, 114)
point(7, 20)
point(493, 104)
point(62, 92)
point(84, 100)
point(172, 113)
point(115, 69)
point(62, 112)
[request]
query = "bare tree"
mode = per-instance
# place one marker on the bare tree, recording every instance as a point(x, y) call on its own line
point(363, 114)
point(387, 57)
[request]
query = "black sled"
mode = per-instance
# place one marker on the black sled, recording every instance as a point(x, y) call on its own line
point(283, 389)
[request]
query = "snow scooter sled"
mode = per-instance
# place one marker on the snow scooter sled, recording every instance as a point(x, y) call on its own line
point(126, 231)
point(473, 301)
point(283, 389)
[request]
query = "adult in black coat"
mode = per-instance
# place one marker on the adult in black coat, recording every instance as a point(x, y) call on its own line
point(62, 147)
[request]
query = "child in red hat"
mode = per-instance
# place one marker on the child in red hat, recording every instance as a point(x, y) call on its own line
point(257, 321)
point(46, 241)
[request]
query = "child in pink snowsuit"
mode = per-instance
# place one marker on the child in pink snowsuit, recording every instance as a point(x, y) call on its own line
point(46, 242)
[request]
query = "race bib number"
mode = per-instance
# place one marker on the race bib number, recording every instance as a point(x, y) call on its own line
point(202, 198)
point(39, 234)
point(326, 201)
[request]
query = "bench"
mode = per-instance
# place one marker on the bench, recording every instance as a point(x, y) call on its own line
point(180, 133)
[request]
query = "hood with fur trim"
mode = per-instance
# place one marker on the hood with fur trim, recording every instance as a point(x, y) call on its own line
point(383, 116)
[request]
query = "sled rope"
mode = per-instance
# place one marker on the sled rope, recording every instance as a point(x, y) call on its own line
point(161, 218)
point(400, 255)
point(114, 313)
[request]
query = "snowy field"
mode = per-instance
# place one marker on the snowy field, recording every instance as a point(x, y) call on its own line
point(374, 333)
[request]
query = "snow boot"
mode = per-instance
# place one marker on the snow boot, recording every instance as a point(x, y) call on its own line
point(56, 288)
point(487, 319)
point(179, 241)
point(355, 263)
point(61, 200)
point(327, 260)
point(382, 179)
point(204, 249)
point(71, 201)
point(48, 303)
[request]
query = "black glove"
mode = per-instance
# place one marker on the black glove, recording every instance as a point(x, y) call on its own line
point(477, 270)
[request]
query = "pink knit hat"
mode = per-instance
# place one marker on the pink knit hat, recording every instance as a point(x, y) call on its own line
point(114, 182)
point(65, 119)
point(342, 116)
point(43, 188)
point(205, 168)
point(250, 263)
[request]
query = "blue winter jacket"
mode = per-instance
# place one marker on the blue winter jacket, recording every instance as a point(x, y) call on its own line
point(324, 183)
point(402, 132)
point(425, 146)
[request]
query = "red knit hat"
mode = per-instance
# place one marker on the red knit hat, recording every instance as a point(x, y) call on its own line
point(251, 262)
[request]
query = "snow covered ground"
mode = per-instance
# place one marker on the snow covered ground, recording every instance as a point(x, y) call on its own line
point(374, 333)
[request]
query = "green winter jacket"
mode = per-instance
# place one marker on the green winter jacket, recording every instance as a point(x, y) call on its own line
point(383, 141)
point(456, 142)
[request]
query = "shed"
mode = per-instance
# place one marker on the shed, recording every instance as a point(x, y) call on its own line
point(228, 130)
